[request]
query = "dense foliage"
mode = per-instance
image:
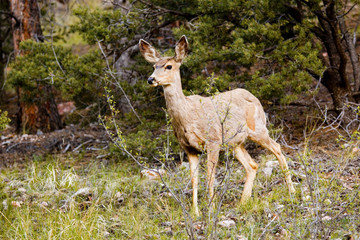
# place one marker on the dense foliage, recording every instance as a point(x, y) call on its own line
point(243, 42)
point(43, 65)
point(4, 120)
point(249, 42)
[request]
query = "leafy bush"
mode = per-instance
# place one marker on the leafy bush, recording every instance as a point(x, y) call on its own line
point(241, 42)
point(45, 65)
point(4, 120)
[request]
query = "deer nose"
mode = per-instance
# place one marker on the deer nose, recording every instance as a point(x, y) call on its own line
point(150, 80)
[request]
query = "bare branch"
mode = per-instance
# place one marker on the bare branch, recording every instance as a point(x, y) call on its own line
point(352, 52)
point(355, 30)
point(118, 84)
point(186, 15)
point(12, 16)
point(344, 14)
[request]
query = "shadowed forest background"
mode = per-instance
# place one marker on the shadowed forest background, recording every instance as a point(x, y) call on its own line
point(79, 122)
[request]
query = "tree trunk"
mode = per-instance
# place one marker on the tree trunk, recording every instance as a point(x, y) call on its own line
point(327, 30)
point(5, 41)
point(27, 25)
point(335, 78)
point(339, 92)
point(352, 53)
point(43, 114)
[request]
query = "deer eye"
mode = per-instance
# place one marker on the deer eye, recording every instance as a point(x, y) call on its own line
point(168, 67)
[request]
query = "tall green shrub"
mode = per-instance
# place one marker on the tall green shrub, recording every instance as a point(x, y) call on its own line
point(4, 120)
point(75, 77)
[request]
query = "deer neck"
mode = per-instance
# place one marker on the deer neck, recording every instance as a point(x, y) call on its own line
point(176, 102)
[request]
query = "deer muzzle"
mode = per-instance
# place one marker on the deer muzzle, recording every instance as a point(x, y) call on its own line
point(151, 80)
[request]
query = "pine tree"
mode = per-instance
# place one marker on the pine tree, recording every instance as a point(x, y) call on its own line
point(38, 112)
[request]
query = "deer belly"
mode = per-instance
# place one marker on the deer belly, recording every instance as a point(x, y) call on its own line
point(189, 139)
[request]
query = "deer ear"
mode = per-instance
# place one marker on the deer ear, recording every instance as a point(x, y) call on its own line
point(149, 52)
point(181, 49)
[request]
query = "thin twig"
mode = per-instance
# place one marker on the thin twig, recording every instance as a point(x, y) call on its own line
point(82, 144)
point(5, 72)
point(117, 83)
point(266, 227)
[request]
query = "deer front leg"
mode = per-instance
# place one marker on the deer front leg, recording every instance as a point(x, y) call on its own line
point(212, 159)
point(194, 175)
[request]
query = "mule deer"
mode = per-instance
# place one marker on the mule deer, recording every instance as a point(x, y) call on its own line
point(205, 123)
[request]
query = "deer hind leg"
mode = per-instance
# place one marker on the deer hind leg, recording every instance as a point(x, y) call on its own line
point(194, 175)
point(250, 167)
point(275, 148)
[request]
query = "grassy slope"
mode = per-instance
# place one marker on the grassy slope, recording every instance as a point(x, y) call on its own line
point(40, 200)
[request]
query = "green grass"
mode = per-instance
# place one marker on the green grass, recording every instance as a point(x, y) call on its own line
point(118, 204)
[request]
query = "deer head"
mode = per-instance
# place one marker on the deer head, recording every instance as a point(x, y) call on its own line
point(166, 69)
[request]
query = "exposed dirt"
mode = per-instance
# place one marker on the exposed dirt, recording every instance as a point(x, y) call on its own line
point(17, 148)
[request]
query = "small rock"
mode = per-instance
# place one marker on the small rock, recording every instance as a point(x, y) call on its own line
point(16, 203)
point(267, 171)
point(241, 237)
point(198, 226)
point(166, 224)
point(150, 236)
point(307, 198)
point(290, 163)
point(24, 136)
point(106, 234)
point(326, 218)
point(279, 206)
point(83, 192)
point(226, 223)
point(119, 197)
point(153, 174)
point(167, 194)
point(345, 185)
point(185, 165)
point(15, 184)
point(355, 150)
point(44, 204)
point(23, 190)
point(283, 233)
point(301, 175)
point(272, 164)
point(168, 231)
point(3, 138)
point(5, 205)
